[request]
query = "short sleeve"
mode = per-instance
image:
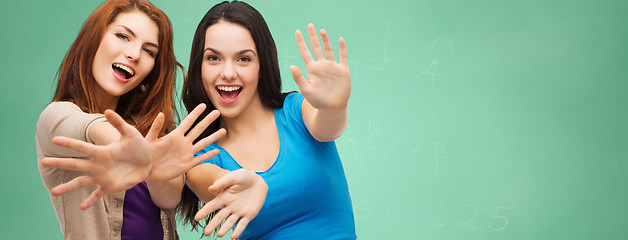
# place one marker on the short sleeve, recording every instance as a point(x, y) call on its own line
point(292, 107)
point(216, 160)
point(64, 119)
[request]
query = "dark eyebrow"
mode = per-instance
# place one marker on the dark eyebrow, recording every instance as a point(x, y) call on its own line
point(239, 53)
point(133, 34)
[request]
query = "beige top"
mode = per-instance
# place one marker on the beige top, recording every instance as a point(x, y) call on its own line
point(104, 219)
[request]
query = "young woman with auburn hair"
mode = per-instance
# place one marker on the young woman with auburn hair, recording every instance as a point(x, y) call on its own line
point(109, 138)
point(75, 82)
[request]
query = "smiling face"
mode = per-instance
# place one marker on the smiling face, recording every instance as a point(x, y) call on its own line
point(125, 56)
point(230, 68)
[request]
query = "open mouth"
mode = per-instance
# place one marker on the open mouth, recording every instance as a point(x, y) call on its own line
point(229, 92)
point(123, 71)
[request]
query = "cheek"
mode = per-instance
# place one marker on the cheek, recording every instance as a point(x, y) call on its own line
point(209, 76)
point(147, 66)
point(143, 71)
point(251, 75)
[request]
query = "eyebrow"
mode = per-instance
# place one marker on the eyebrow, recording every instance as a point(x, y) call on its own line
point(238, 53)
point(133, 34)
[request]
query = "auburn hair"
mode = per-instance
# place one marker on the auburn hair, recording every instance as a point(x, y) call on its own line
point(141, 105)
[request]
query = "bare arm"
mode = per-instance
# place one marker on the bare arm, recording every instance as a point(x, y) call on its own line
point(166, 195)
point(103, 133)
point(201, 177)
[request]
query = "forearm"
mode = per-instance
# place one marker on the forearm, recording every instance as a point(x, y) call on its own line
point(325, 124)
point(201, 177)
point(166, 195)
point(103, 133)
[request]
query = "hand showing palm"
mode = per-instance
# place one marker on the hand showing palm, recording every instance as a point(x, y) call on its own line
point(173, 154)
point(240, 195)
point(328, 83)
point(132, 159)
point(114, 167)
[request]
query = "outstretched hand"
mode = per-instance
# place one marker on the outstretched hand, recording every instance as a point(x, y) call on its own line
point(132, 158)
point(240, 195)
point(115, 167)
point(328, 83)
point(173, 154)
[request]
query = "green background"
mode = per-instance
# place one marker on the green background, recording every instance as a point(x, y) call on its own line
point(468, 119)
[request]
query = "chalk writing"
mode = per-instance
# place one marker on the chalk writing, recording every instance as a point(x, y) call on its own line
point(437, 55)
point(438, 151)
point(497, 215)
point(470, 217)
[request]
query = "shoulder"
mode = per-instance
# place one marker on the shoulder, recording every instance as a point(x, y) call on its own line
point(65, 119)
point(292, 99)
point(54, 108)
point(56, 111)
point(292, 107)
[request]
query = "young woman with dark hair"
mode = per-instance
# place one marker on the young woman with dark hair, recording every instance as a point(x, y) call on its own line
point(286, 138)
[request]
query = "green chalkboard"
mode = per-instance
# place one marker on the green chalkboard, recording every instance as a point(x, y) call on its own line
point(468, 119)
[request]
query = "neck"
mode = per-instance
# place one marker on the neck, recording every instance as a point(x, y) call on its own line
point(251, 120)
point(111, 104)
point(106, 102)
point(103, 100)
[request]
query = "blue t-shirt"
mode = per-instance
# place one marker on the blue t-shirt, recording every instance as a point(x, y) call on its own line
point(308, 196)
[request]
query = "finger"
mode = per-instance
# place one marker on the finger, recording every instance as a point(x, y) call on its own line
point(191, 118)
point(203, 157)
point(216, 220)
point(75, 145)
point(96, 194)
point(240, 227)
point(203, 143)
point(223, 183)
point(203, 124)
point(344, 56)
point(327, 49)
point(71, 164)
point(209, 208)
point(117, 122)
point(316, 45)
point(76, 183)
point(297, 75)
point(227, 225)
point(155, 128)
point(305, 52)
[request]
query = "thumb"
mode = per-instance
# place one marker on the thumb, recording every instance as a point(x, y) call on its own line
point(221, 184)
point(117, 122)
point(297, 75)
point(224, 182)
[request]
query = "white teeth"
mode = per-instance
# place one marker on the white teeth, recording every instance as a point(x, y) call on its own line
point(125, 68)
point(228, 88)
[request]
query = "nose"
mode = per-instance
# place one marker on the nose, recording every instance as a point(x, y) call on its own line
point(228, 72)
point(133, 52)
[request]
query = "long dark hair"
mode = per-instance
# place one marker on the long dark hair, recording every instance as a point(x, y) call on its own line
point(269, 86)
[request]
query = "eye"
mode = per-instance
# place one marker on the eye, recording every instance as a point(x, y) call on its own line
point(244, 59)
point(212, 58)
point(149, 52)
point(122, 36)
